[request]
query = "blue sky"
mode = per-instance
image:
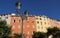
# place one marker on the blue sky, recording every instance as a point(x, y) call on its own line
point(50, 8)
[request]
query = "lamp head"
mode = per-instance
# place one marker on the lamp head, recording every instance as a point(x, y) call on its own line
point(18, 5)
point(26, 13)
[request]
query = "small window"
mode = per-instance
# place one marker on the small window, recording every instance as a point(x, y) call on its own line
point(19, 26)
point(44, 22)
point(13, 27)
point(38, 22)
point(40, 18)
point(14, 21)
point(28, 32)
point(28, 26)
point(33, 26)
point(4, 14)
point(41, 23)
point(6, 17)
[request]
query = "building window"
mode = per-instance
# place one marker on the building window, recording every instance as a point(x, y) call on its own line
point(42, 27)
point(44, 22)
point(40, 18)
point(19, 26)
point(33, 26)
point(38, 22)
point(13, 27)
point(6, 17)
point(41, 23)
point(28, 32)
point(14, 21)
point(28, 26)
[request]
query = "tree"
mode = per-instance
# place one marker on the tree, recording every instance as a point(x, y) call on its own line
point(52, 31)
point(5, 30)
point(17, 35)
point(57, 34)
point(39, 35)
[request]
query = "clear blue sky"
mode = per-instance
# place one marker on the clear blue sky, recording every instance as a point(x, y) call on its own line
point(50, 8)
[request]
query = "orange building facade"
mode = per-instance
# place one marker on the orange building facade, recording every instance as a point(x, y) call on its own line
point(29, 25)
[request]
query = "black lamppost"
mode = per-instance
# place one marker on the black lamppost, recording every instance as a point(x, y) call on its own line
point(25, 15)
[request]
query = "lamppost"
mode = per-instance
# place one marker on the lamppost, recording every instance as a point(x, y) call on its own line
point(23, 16)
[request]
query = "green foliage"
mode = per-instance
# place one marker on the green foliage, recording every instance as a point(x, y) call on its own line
point(39, 35)
point(5, 30)
point(52, 30)
point(17, 35)
point(57, 35)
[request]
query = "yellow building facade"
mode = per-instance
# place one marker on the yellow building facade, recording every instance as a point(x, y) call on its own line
point(42, 23)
